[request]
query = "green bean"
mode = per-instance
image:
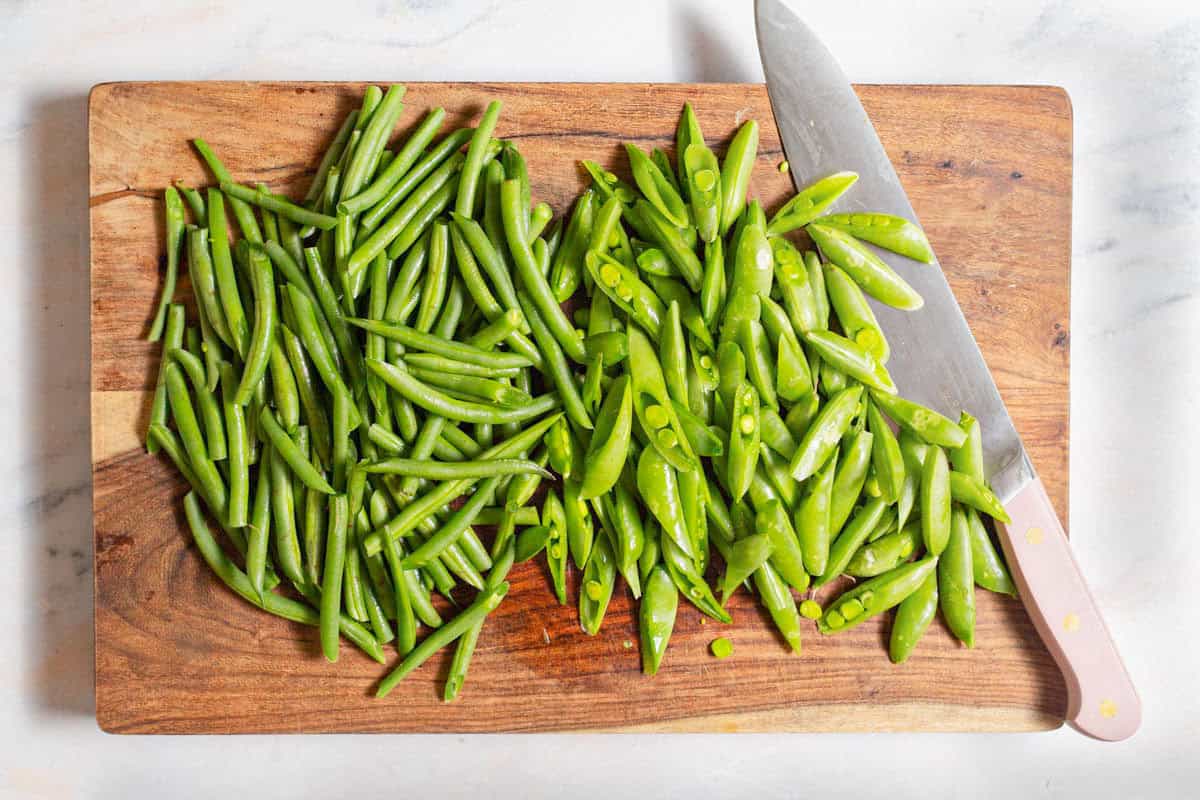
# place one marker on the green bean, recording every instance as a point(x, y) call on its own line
point(439, 471)
point(382, 236)
point(469, 179)
point(317, 350)
point(534, 283)
point(484, 604)
point(559, 371)
point(175, 228)
point(430, 362)
point(291, 454)
point(189, 432)
point(176, 323)
point(195, 201)
point(426, 166)
point(262, 340)
point(331, 583)
point(397, 168)
point(210, 408)
point(421, 221)
point(332, 155)
point(419, 509)
point(437, 274)
point(242, 211)
point(238, 452)
point(428, 343)
point(280, 606)
point(275, 203)
point(370, 146)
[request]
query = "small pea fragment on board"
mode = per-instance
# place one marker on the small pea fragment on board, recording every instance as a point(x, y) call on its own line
point(810, 609)
point(721, 647)
point(784, 166)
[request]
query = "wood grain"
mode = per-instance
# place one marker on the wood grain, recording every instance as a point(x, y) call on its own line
point(988, 170)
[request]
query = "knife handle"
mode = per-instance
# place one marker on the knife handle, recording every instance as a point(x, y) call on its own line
point(1102, 701)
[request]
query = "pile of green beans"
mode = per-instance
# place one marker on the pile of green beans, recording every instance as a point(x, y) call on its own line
point(381, 369)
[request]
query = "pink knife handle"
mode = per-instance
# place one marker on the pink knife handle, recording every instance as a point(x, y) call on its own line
point(1102, 701)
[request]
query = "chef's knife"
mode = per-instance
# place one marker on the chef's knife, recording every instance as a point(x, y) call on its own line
point(935, 361)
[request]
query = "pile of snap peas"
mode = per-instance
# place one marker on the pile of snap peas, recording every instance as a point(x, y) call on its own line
point(380, 369)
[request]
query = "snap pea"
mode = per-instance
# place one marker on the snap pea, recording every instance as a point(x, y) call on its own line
point(889, 232)
point(786, 558)
point(810, 202)
point(712, 284)
point(704, 189)
point(851, 538)
point(673, 354)
point(956, 583)
point(656, 617)
point(658, 485)
point(744, 438)
point(774, 594)
point(885, 455)
point(608, 447)
point(813, 518)
point(557, 546)
point(626, 290)
point(884, 553)
point(987, 565)
point(875, 596)
point(566, 270)
point(655, 187)
point(671, 241)
point(976, 494)
point(851, 476)
point(825, 432)
point(735, 173)
point(854, 313)
point(596, 590)
point(690, 583)
point(849, 358)
point(669, 291)
point(746, 556)
point(924, 422)
point(652, 403)
point(913, 617)
point(580, 532)
point(935, 500)
point(866, 269)
point(792, 278)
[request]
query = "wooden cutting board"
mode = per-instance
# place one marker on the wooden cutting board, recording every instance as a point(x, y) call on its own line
point(989, 172)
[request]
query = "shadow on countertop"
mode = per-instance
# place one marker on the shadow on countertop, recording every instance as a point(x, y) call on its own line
point(59, 649)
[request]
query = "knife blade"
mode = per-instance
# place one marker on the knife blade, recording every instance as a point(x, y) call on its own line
point(824, 129)
point(936, 361)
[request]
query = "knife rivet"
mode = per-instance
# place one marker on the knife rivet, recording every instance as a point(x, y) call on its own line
point(1034, 535)
point(1108, 709)
point(1071, 623)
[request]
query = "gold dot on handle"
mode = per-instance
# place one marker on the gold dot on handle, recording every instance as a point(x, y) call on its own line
point(1034, 535)
point(1071, 623)
point(1108, 709)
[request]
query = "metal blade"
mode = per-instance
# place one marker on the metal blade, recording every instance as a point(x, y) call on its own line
point(824, 129)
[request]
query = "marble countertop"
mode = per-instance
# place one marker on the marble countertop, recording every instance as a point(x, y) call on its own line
point(1133, 73)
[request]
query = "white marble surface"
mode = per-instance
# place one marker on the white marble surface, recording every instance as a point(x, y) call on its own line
point(1133, 71)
